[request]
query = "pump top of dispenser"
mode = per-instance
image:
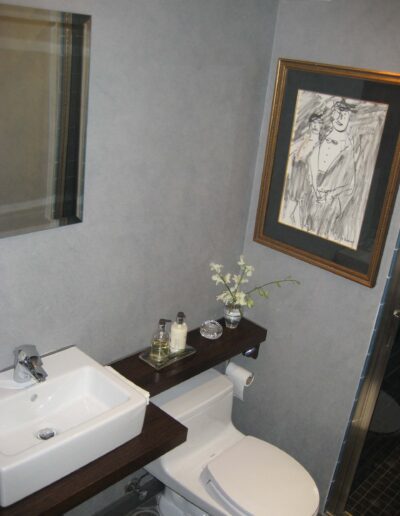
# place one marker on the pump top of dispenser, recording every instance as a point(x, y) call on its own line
point(161, 332)
point(180, 318)
point(162, 323)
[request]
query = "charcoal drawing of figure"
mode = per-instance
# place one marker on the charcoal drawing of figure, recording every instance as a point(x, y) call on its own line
point(328, 176)
point(333, 171)
point(300, 187)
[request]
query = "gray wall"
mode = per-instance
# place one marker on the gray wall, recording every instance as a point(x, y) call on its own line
point(177, 93)
point(319, 332)
point(175, 105)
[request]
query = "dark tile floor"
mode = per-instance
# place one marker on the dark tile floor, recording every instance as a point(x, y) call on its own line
point(376, 487)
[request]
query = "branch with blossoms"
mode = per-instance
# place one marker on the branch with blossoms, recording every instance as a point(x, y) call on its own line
point(233, 295)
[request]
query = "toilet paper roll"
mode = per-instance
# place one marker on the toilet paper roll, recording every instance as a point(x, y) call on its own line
point(240, 378)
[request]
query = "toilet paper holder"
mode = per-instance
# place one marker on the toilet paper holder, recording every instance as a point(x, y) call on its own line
point(251, 352)
point(240, 378)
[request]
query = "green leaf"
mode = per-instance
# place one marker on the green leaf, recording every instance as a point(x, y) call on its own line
point(250, 302)
point(263, 293)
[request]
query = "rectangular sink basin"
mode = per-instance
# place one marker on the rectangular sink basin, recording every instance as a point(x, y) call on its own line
point(47, 430)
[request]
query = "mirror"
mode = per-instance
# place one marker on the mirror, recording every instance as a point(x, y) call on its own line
point(44, 63)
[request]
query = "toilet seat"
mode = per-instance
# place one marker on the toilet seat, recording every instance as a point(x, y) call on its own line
point(253, 477)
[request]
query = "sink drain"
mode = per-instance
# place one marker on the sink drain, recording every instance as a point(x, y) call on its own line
point(46, 433)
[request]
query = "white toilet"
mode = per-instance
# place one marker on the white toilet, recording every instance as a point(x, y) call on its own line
point(218, 470)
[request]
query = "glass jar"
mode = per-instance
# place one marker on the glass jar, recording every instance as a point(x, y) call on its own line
point(232, 315)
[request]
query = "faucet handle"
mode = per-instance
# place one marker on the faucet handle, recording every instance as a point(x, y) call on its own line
point(28, 364)
point(23, 353)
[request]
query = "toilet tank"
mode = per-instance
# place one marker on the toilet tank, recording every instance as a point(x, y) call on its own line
point(203, 403)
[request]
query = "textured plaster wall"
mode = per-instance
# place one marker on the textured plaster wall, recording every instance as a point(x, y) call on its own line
point(175, 105)
point(318, 333)
point(177, 91)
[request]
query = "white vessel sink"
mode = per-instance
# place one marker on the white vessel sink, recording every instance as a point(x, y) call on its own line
point(47, 430)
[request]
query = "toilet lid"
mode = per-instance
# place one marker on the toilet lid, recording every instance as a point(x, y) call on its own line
point(253, 477)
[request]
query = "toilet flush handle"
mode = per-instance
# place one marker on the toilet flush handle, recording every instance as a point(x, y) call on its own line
point(396, 313)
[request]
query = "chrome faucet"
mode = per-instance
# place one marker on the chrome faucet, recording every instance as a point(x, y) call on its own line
point(28, 364)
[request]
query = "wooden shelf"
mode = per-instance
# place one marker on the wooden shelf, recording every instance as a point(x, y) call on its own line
point(246, 337)
point(160, 433)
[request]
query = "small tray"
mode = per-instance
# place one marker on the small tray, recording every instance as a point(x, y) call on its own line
point(145, 356)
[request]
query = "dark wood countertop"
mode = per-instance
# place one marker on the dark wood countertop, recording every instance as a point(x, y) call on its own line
point(160, 433)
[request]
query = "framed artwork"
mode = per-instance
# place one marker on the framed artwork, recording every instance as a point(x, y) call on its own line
point(331, 166)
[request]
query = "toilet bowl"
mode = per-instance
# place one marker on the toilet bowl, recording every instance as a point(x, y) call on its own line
point(219, 471)
point(386, 416)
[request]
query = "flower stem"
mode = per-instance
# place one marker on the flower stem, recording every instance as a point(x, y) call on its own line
point(240, 279)
point(277, 282)
point(227, 286)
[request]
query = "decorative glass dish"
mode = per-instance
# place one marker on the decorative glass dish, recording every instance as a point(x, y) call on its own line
point(211, 330)
point(175, 357)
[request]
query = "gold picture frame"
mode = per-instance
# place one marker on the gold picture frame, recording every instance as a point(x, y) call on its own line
point(331, 166)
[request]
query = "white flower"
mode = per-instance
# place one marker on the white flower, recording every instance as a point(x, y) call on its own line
point(225, 297)
point(236, 279)
point(232, 282)
point(249, 270)
point(241, 261)
point(216, 267)
point(240, 298)
point(227, 278)
point(217, 278)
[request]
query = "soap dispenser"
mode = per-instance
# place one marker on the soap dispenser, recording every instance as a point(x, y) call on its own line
point(179, 331)
point(160, 343)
